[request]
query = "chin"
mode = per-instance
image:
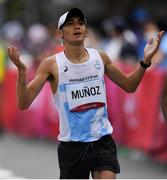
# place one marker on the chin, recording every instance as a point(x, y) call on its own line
point(78, 42)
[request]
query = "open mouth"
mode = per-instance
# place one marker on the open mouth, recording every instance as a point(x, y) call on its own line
point(77, 33)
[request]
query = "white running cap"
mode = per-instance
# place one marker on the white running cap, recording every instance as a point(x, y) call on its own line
point(75, 12)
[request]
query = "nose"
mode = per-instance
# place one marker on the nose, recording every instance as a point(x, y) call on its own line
point(77, 26)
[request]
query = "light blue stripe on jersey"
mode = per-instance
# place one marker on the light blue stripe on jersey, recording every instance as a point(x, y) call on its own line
point(103, 130)
point(62, 87)
point(80, 125)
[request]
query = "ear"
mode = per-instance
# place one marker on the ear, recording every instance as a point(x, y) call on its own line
point(86, 33)
point(59, 34)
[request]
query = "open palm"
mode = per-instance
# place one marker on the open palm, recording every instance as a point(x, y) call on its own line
point(14, 55)
point(152, 47)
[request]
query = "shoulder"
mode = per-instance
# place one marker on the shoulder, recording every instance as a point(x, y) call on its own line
point(105, 58)
point(49, 60)
point(47, 64)
point(102, 54)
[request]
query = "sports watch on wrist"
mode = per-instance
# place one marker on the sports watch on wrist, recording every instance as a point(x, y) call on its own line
point(145, 66)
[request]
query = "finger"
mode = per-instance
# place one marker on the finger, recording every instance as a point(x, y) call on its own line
point(14, 52)
point(160, 34)
point(157, 36)
point(10, 52)
point(17, 55)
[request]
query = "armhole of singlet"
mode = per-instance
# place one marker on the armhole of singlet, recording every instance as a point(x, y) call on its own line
point(97, 54)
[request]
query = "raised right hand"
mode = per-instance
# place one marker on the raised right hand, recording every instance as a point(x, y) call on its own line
point(14, 55)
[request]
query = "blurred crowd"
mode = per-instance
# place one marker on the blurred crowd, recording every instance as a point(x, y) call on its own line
point(122, 40)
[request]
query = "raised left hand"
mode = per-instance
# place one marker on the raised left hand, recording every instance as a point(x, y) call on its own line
point(152, 47)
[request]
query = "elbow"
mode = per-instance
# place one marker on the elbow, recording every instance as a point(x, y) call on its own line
point(129, 86)
point(23, 103)
point(23, 106)
point(131, 89)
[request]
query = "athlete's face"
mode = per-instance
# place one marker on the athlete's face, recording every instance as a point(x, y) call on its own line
point(74, 31)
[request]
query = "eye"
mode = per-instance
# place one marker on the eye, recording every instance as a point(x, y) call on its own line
point(69, 23)
point(81, 23)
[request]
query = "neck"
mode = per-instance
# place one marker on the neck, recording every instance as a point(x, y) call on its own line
point(76, 54)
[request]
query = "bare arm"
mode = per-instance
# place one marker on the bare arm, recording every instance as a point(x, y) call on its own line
point(130, 82)
point(27, 92)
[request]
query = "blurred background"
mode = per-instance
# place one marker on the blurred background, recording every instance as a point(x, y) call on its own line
point(121, 28)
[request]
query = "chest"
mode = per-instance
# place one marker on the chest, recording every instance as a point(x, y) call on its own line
point(70, 73)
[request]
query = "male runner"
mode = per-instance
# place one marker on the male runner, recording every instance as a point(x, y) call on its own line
point(76, 77)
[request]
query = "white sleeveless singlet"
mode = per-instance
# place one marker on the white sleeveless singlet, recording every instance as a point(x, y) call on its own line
point(81, 99)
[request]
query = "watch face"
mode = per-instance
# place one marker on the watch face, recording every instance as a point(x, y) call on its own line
point(145, 66)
